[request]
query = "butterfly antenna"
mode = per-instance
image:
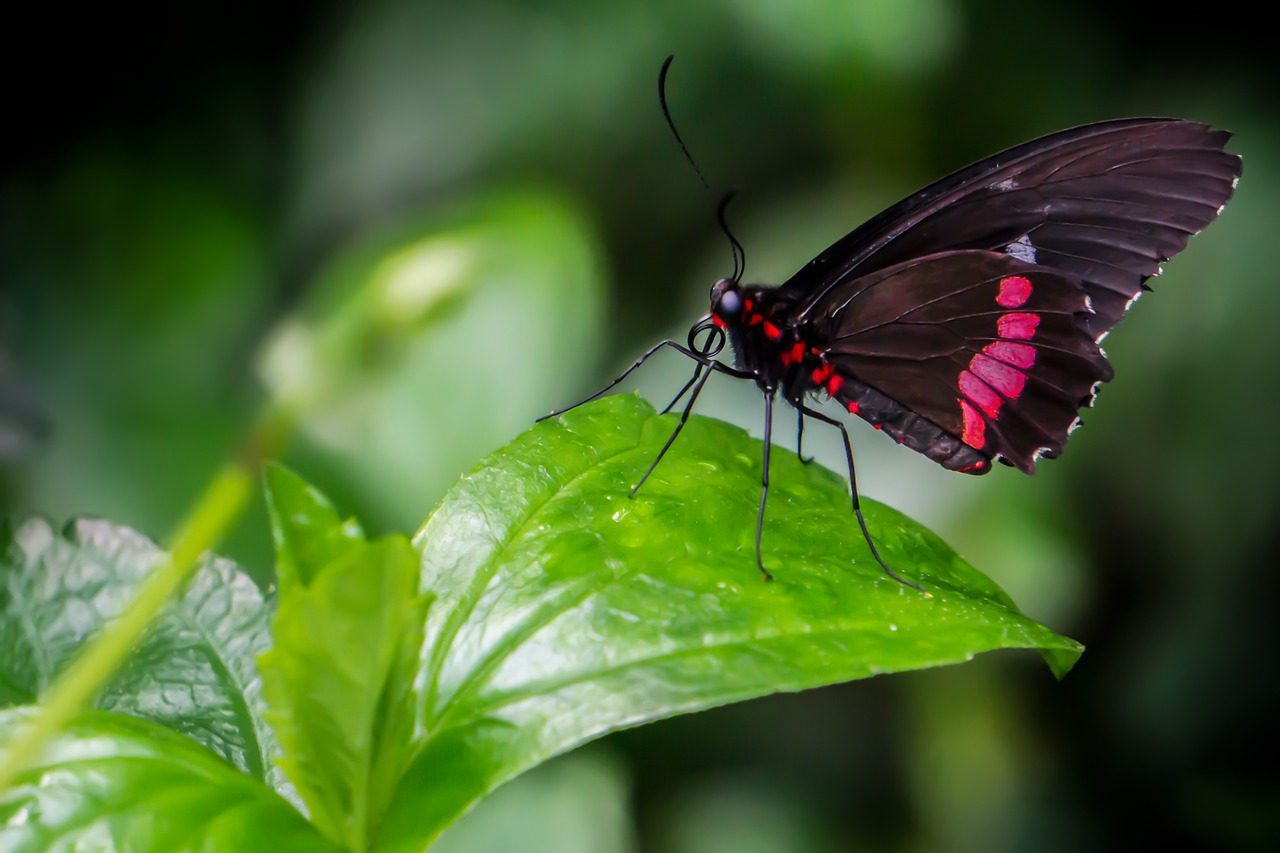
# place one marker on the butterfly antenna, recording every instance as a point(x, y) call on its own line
point(739, 256)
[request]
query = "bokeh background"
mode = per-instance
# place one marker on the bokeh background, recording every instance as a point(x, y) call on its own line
point(486, 198)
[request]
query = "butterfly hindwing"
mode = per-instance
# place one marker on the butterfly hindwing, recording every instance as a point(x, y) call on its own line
point(980, 347)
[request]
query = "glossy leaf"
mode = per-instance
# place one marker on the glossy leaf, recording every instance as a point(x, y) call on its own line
point(309, 534)
point(336, 677)
point(115, 783)
point(566, 610)
point(194, 673)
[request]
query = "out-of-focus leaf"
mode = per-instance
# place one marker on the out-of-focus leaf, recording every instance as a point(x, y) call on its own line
point(336, 677)
point(575, 804)
point(195, 671)
point(116, 784)
point(566, 610)
point(424, 348)
point(23, 421)
point(742, 813)
point(144, 281)
point(825, 35)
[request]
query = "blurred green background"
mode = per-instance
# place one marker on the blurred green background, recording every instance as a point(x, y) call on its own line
point(486, 199)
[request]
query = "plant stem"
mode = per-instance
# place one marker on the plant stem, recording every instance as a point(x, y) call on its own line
point(213, 514)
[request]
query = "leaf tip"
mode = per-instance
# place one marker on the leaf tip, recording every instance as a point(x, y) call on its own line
point(276, 476)
point(1062, 660)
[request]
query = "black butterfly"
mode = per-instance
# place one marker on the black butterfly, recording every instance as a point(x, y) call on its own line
point(965, 321)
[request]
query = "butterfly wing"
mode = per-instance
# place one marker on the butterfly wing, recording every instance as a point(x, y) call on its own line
point(1105, 203)
point(965, 356)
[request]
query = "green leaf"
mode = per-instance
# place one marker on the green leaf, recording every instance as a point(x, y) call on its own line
point(566, 610)
point(330, 680)
point(195, 671)
point(115, 783)
point(308, 532)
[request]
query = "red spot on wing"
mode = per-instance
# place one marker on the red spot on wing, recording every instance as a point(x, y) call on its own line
point(980, 393)
point(833, 387)
point(853, 408)
point(820, 375)
point(998, 375)
point(974, 467)
point(715, 318)
point(878, 426)
point(771, 331)
point(1019, 355)
point(1017, 326)
point(974, 426)
point(755, 320)
point(747, 305)
point(793, 355)
point(1014, 290)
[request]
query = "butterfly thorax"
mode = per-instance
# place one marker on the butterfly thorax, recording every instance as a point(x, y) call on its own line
point(767, 343)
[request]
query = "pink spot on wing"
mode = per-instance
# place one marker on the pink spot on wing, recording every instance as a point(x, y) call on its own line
point(1014, 291)
point(1018, 326)
point(974, 426)
point(979, 392)
point(1019, 355)
point(998, 375)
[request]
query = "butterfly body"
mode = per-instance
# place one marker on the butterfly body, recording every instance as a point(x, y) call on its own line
point(791, 359)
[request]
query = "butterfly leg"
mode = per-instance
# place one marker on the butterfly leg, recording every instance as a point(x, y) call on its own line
point(684, 417)
point(764, 479)
point(800, 438)
point(621, 376)
point(705, 361)
point(697, 372)
point(853, 486)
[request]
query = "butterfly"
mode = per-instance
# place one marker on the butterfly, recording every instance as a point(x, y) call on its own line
point(966, 321)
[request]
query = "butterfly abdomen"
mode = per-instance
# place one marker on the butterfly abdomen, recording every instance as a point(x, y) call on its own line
point(909, 428)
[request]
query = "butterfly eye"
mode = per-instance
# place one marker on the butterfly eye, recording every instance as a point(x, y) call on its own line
point(730, 304)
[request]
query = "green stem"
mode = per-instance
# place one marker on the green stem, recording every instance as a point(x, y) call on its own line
point(217, 509)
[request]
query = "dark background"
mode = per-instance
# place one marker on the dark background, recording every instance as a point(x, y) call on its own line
point(175, 180)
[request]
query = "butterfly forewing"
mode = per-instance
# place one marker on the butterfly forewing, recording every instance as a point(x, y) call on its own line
point(990, 349)
point(1105, 203)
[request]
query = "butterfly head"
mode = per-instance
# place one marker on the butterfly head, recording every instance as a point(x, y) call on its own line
point(726, 302)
